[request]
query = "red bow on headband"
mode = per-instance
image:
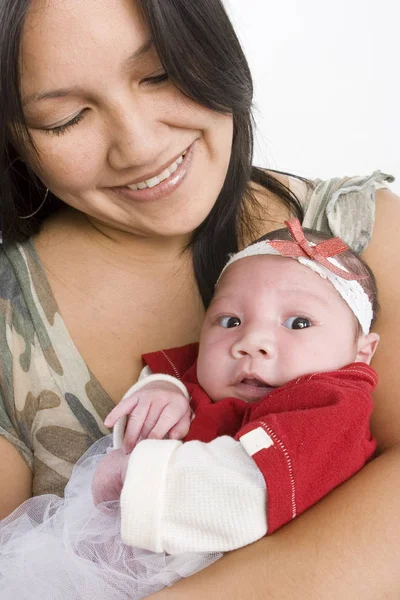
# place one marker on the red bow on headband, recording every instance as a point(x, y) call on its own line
point(320, 253)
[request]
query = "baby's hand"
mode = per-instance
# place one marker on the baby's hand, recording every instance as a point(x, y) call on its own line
point(154, 411)
point(109, 477)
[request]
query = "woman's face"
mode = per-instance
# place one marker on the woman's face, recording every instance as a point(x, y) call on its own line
point(108, 126)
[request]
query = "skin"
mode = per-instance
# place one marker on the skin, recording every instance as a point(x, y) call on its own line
point(249, 342)
point(100, 262)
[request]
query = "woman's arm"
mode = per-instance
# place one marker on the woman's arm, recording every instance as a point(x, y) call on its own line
point(15, 479)
point(383, 256)
point(348, 545)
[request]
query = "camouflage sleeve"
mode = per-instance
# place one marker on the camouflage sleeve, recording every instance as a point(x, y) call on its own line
point(12, 427)
point(11, 424)
point(345, 207)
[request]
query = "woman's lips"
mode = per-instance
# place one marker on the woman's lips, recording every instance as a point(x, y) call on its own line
point(163, 189)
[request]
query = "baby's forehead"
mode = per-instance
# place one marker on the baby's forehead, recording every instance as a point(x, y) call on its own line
point(266, 274)
point(274, 271)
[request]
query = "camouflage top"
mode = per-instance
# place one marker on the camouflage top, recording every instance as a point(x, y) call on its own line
point(51, 406)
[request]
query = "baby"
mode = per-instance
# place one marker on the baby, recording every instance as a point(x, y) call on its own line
point(273, 405)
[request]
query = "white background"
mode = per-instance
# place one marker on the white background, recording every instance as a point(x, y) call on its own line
point(327, 84)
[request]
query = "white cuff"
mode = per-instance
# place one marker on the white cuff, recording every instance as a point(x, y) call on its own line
point(192, 497)
point(120, 425)
point(143, 494)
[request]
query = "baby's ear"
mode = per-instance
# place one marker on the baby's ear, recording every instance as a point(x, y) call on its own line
point(366, 346)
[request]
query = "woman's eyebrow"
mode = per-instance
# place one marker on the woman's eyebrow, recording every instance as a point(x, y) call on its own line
point(139, 53)
point(76, 90)
point(59, 93)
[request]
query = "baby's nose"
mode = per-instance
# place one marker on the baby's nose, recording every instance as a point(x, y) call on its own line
point(253, 345)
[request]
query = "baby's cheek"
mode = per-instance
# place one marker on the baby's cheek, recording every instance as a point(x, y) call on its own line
point(201, 371)
point(205, 373)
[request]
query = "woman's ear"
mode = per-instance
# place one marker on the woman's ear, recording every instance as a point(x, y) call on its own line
point(366, 346)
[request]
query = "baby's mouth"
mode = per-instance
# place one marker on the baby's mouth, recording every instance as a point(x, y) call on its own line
point(252, 381)
point(252, 389)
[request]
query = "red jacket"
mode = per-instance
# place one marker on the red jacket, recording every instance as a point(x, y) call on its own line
point(317, 427)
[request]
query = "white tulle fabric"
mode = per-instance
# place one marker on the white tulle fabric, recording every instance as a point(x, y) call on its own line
point(67, 549)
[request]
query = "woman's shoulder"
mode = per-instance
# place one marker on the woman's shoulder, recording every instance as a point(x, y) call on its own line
point(343, 206)
point(15, 336)
point(13, 276)
point(23, 328)
point(23, 285)
point(339, 206)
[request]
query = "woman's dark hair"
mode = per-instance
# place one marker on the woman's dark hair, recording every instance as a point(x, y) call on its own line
point(202, 55)
point(349, 259)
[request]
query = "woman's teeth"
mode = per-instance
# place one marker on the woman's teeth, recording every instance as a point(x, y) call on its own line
point(149, 183)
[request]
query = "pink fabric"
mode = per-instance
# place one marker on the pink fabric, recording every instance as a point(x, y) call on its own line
point(320, 252)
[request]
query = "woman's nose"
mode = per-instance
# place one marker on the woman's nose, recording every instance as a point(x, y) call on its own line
point(254, 345)
point(135, 139)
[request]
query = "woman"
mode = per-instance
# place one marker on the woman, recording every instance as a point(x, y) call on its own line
point(148, 177)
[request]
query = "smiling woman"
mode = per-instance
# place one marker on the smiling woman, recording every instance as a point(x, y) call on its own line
point(97, 137)
point(135, 115)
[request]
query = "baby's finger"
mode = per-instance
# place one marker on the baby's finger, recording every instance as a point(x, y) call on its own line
point(123, 408)
point(152, 418)
point(169, 417)
point(134, 427)
point(181, 429)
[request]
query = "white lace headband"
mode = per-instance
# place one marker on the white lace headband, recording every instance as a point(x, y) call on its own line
point(318, 258)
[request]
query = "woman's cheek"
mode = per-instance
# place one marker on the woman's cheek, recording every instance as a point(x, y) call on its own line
point(70, 164)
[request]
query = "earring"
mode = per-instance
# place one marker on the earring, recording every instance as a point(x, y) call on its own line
point(39, 207)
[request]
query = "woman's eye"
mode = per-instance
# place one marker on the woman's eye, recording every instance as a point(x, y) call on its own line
point(157, 78)
point(229, 322)
point(60, 129)
point(297, 323)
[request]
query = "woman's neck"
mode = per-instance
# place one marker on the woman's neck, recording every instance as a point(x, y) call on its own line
point(118, 297)
point(119, 247)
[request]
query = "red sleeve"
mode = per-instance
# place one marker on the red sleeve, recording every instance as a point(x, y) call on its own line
point(174, 361)
point(310, 436)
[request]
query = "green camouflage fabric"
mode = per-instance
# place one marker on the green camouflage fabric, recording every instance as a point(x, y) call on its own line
point(52, 408)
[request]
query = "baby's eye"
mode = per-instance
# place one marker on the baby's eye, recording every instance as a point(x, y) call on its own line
point(229, 322)
point(297, 323)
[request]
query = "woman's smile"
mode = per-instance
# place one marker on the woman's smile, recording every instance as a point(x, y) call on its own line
point(161, 184)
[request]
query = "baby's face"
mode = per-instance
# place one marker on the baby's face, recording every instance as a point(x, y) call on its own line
point(272, 320)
